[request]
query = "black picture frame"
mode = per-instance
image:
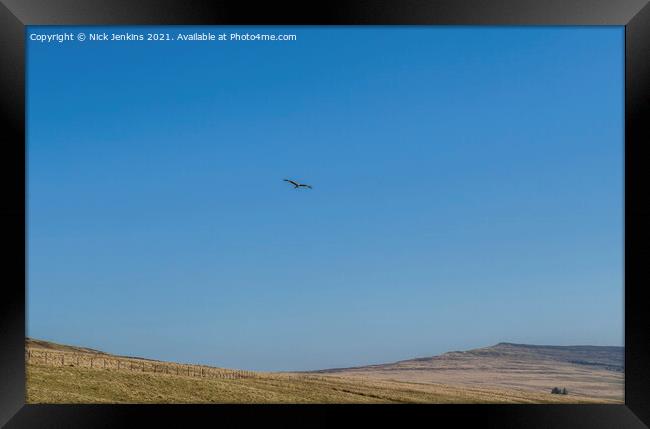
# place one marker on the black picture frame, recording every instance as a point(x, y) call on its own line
point(633, 14)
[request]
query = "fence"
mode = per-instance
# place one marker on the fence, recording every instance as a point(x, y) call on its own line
point(108, 362)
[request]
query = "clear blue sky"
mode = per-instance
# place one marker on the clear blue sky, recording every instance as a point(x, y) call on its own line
point(468, 189)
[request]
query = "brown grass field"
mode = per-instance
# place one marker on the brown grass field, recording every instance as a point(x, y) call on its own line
point(48, 384)
point(66, 379)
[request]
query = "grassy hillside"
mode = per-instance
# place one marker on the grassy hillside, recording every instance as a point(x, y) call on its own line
point(66, 374)
point(31, 343)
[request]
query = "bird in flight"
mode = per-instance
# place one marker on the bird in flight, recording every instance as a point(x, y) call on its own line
point(297, 185)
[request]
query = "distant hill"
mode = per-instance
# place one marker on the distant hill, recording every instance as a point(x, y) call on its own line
point(584, 370)
point(604, 357)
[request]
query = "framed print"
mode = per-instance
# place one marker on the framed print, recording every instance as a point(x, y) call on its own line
point(240, 211)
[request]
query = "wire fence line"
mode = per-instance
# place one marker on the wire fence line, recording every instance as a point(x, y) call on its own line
point(98, 361)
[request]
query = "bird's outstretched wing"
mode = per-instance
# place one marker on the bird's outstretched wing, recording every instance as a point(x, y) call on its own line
point(306, 186)
point(292, 182)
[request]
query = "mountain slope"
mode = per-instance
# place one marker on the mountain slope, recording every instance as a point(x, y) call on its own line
point(58, 373)
point(590, 371)
point(504, 373)
point(48, 345)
